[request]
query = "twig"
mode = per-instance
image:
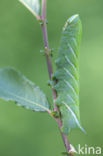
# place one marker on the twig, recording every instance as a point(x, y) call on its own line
point(50, 71)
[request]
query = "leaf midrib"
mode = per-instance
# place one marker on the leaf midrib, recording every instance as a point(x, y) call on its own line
point(27, 6)
point(26, 100)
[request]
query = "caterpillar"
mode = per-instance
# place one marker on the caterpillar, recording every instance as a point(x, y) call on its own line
point(67, 74)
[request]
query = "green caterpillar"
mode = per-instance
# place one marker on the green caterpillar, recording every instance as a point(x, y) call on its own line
point(67, 74)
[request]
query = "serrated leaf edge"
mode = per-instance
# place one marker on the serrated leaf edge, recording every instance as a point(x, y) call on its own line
point(34, 103)
point(31, 83)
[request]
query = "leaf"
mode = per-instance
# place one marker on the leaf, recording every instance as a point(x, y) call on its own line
point(67, 74)
point(33, 6)
point(14, 86)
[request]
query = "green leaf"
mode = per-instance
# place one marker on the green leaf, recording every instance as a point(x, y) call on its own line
point(14, 86)
point(33, 6)
point(67, 74)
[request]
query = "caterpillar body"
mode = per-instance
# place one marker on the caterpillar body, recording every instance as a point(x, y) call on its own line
point(67, 74)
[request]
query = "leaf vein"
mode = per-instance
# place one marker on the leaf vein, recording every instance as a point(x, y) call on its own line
point(26, 100)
